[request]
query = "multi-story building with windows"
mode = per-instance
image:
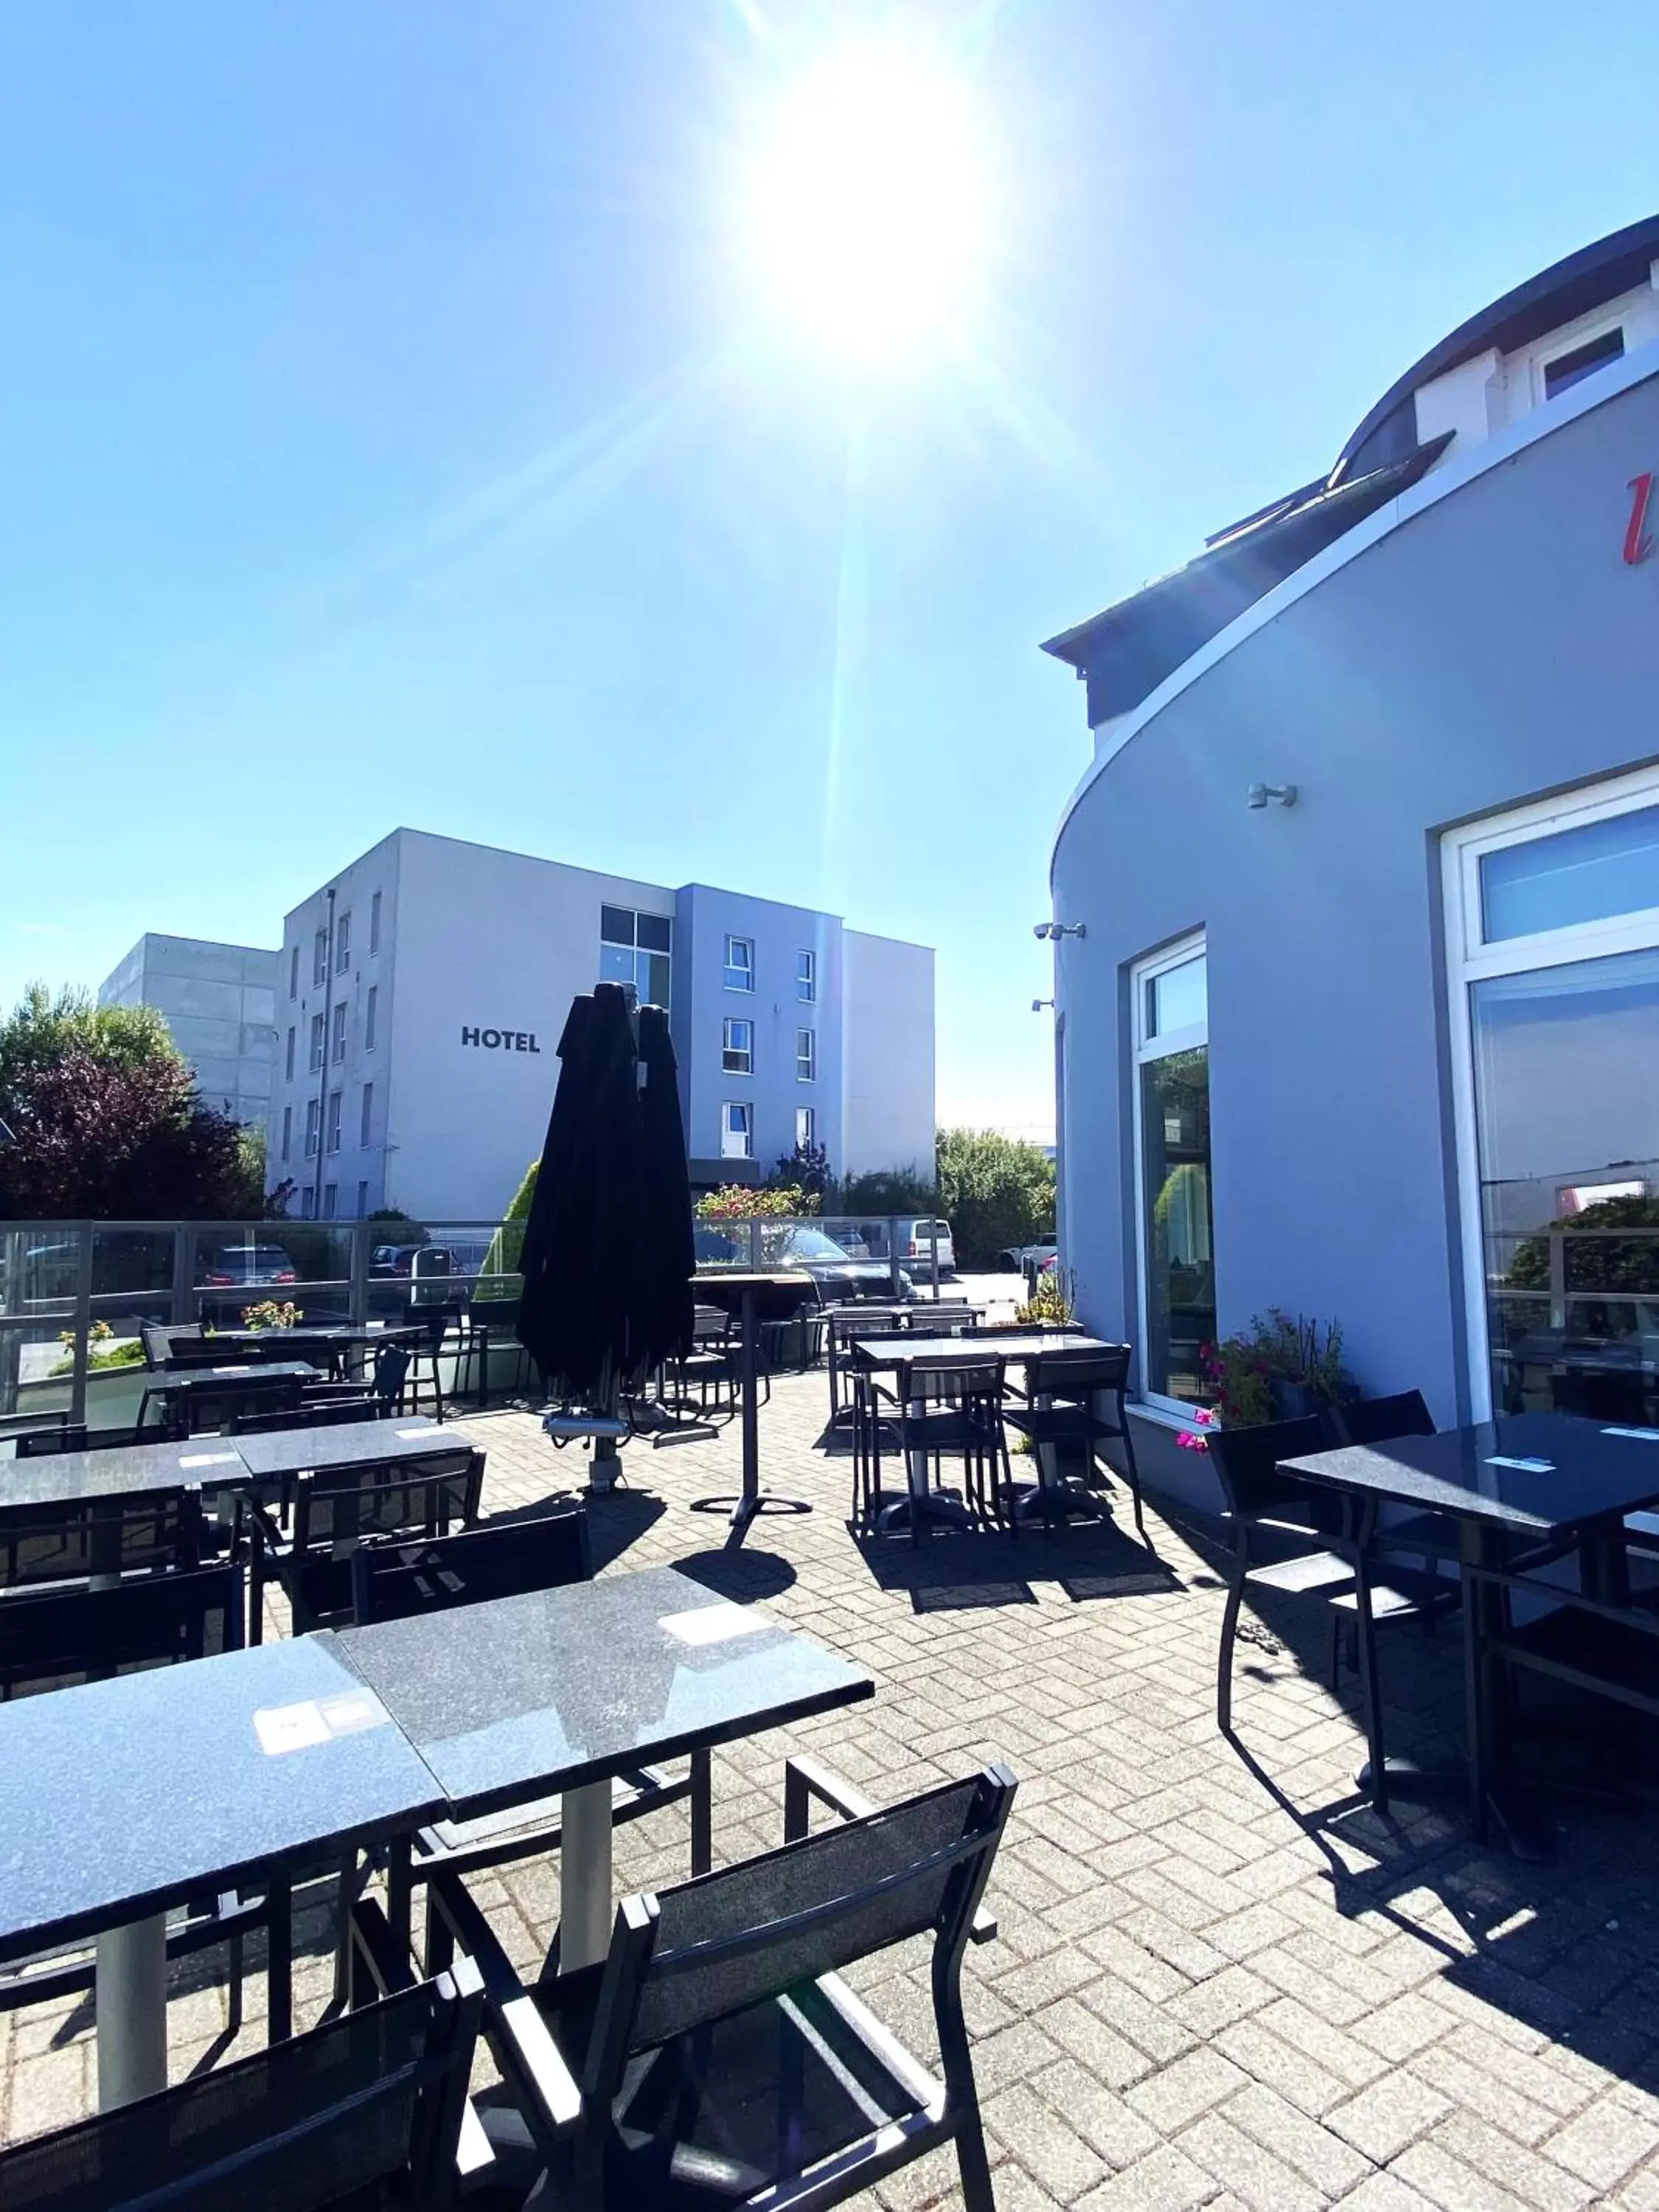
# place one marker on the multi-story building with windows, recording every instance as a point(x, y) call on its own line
point(422, 992)
point(1362, 1019)
point(219, 1001)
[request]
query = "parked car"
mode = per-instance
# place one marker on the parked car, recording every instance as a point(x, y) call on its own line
point(411, 1260)
point(789, 1244)
point(917, 1237)
point(1028, 1260)
point(249, 1267)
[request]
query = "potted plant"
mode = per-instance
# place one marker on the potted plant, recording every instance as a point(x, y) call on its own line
point(268, 1314)
point(1279, 1369)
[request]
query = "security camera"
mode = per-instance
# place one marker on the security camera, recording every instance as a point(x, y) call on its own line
point(1043, 929)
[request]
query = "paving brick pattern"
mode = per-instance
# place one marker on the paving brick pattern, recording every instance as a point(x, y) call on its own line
point(1220, 1979)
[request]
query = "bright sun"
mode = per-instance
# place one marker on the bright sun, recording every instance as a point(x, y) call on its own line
point(866, 205)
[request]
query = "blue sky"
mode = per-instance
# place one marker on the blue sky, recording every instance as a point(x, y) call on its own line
point(391, 430)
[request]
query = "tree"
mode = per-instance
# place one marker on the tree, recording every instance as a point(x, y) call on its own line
point(994, 1191)
point(888, 1190)
point(107, 1123)
point(805, 1171)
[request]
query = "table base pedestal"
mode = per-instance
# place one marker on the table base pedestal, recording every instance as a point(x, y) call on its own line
point(131, 1989)
point(586, 1906)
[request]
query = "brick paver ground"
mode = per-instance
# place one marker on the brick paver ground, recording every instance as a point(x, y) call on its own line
point(1220, 1979)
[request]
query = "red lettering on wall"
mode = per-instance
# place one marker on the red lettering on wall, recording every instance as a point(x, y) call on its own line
point(1637, 544)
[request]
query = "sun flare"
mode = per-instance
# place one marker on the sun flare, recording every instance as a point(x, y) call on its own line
point(866, 205)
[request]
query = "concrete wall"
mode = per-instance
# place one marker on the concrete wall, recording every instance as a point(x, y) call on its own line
point(219, 1002)
point(778, 933)
point(1485, 644)
point(889, 1115)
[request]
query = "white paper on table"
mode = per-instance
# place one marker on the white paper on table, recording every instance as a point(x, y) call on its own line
point(414, 1435)
point(1526, 1465)
point(208, 1459)
point(715, 1624)
point(1642, 1436)
point(289, 1728)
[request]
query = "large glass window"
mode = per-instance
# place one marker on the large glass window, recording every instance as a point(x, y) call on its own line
point(736, 1131)
point(737, 1048)
point(738, 973)
point(1172, 1108)
point(636, 948)
point(806, 1055)
point(806, 977)
point(1554, 926)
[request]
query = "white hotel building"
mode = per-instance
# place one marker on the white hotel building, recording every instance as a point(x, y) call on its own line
point(422, 992)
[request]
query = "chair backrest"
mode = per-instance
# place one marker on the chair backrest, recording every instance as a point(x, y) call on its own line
point(338, 1507)
point(1080, 1375)
point(1246, 1462)
point(141, 1532)
point(950, 1378)
point(851, 1322)
point(329, 1412)
point(391, 1371)
point(371, 2102)
point(157, 1343)
point(1374, 1420)
point(253, 1392)
point(72, 1435)
point(714, 1946)
point(391, 1580)
point(50, 1637)
point(1603, 1396)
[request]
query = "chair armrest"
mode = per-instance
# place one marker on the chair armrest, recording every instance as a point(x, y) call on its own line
point(806, 1778)
point(524, 2048)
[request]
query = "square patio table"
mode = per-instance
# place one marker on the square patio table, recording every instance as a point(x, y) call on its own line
point(1542, 1477)
point(132, 1795)
point(558, 1691)
point(393, 1441)
point(77, 1478)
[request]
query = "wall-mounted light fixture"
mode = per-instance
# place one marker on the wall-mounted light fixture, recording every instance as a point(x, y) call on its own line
point(1282, 794)
point(1037, 1005)
point(1058, 929)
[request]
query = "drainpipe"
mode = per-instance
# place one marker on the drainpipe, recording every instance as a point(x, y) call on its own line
point(322, 1090)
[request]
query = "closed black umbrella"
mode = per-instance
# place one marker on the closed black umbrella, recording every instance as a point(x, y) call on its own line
point(607, 1251)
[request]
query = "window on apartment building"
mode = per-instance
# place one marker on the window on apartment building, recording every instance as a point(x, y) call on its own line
point(340, 1013)
point(316, 1043)
point(308, 1203)
point(288, 1127)
point(371, 1009)
point(1172, 1138)
point(736, 1131)
point(806, 1127)
point(288, 1057)
point(368, 1114)
point(806, 977)
point(362, 1202)
point(330, 1200)
point(374, 923)
point(806, 1055)
point(335, 1098)
point(737, 1048)
point(343, 945)
point(637, 949)
point(314, 1127)
point(1570, 368)
point(319, 959)
point(740, 963)
point(294, 971)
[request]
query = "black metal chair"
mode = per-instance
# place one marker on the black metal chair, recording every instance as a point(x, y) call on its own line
point(872, 1404)
point(371, 2109)
point(198, 1411)
point(1427, 1536)
point(135, 1533)
point(1271, 1511)
point(711, 1367)
point(74, 1435)
point(953, 1407)
point(337, 1508)
point(429, 1327)
point(716, 2055)
point(1062, 1412)
point(329, 1414)
point(394, 1580)
point(842, 1325)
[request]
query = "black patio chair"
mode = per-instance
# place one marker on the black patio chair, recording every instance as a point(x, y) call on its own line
point(1270, 1511)
point(328, 1413)
point(53, 1638)
point(711, 1367)
point(1427, 1536)
point(337, 1508)
point(1605, 1650)
point(716, 2056)
point(1062, 1411)
point(193, 1413)
point(139, 1533)
point(428, 1330)
point(371, 2109)
point(873, 1405)
point(392, 1581)
point(842, 1324)
point(952, 1406)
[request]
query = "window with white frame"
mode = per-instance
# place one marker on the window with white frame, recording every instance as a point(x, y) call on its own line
point(341, 1014)
point(287, 1130)
point(1171, 1041)
point(316, 1043)
point(737, 1047)
point(371, 1013)
point(367, 1120)
point(288, 1057)
point(362, 1202)
point(313, 1126)
point(739, 968)
point(330, 1200)
point(806, 1127)
point(806, 1055)
point(308, 1202)
point(737, 1130)
point(294, 971)
point(806, 977)
point(343, 945)
point(320, 957)
point(374, 923)
point(1553, 935)
point(334, 1099)
point(637, 949)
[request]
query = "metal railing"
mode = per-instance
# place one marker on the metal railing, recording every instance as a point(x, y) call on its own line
point(74, 1293)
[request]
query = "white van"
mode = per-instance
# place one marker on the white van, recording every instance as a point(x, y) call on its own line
point(916, 1243)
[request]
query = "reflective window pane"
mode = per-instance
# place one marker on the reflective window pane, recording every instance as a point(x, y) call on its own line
point(616, 924)
point(653, 931)
point(1179, 997)
point(1567, 1066)
point(1180, 1256)
point(615, 964)
point(655, 965)
point(1588, 874)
